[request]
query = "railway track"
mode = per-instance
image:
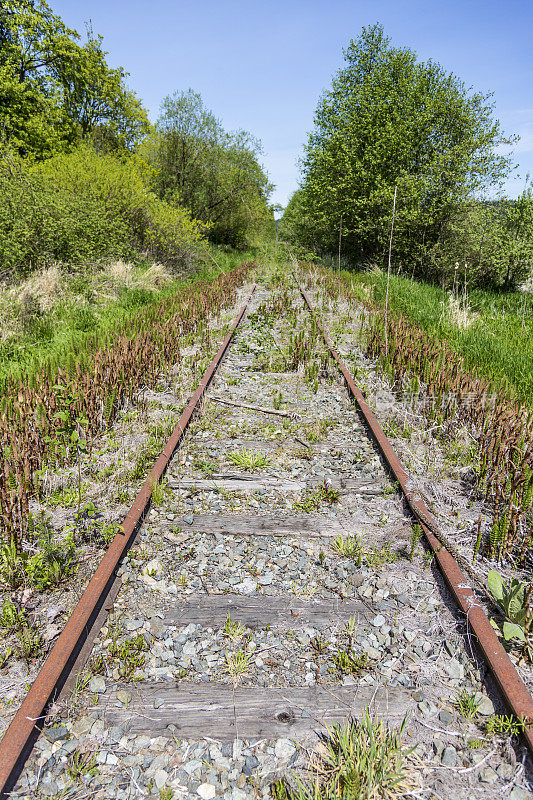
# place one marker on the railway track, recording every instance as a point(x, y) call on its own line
point(266, 596)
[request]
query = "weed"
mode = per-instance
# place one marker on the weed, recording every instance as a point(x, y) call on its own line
point(514, 600)
point(467, 704)
point(30, 642)
point(377, 556)
point(234, 630)
point(237, 664)
point(304, 453)
point(474, 744)
point(347, 663)
point(506, 724)
point(51, 565)
point(11, 618)
point(360, 761)
point(313, 500)
point(205, 466)
point(248, 460)
point(414, 541)
point(397, 431)
point(350, 547)
point(316, 431)
point(96, 665)
point(390, 489)
point(5, 657)
point(80, 764)
point(319, 645)
point(66, 497)
point(160, 491)
point(277, 400)
point(128, 656)
point(122, 496)
point(166, 793)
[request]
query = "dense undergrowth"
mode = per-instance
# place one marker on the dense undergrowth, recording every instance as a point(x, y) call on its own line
point(492, 331)
point(51, 415)
point(60, 310)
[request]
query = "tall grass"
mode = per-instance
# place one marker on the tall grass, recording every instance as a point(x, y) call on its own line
point(497, 344)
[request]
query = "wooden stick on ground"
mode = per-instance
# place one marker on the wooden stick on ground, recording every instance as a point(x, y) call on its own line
point(253, 408)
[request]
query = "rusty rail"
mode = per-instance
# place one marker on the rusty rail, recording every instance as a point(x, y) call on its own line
point(24, 729)
point(515, 693)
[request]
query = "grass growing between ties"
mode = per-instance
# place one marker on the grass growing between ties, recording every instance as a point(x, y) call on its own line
point(358, 761)
point(248, 460)
point(313, 500)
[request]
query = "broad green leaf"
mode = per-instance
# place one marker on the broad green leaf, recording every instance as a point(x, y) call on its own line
point(512, 631)
point(495, 583)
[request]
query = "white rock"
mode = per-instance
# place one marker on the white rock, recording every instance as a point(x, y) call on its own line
point(284, 749)
point(207, 791)
point(455, 669)
point(485, 707)
point(378, 621)
point(97, 684)
point(160, 778)
point(247, 586)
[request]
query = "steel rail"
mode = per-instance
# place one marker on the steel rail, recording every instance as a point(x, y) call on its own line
point(25, 727)
point(514, 691)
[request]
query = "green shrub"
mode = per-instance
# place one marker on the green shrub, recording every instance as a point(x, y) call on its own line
point(82, 206)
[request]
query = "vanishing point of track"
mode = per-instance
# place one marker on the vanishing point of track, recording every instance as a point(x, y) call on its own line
point(73, 646)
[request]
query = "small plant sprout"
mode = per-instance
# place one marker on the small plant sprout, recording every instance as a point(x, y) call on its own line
point(414, 541)
point(80, 764)
point(233, 630)
point(467, 704)
point(313, 500)
point(237, 665)
point(350, 547)
point(248, 460)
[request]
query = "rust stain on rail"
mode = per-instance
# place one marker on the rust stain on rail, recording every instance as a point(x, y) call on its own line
point(515, 693)
point(21, 734)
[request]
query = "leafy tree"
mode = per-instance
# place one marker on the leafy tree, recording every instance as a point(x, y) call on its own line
point(216, 174)
point(389, 120)
point(54, 91)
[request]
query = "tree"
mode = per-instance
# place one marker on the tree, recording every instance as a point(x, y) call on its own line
point(216, 174)
point(54, 91)
point(389, 120)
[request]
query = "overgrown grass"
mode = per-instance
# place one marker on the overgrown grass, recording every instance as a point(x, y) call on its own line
point(498, 343)
point(57, 312)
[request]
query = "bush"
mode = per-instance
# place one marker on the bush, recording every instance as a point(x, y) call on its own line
point(84, 206)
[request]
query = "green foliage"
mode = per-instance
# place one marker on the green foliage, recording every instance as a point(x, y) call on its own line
point(248, 460)
point(514, 601)
point(313, 500)
point(55, 91)
point(506, 724)
point(11, 618)
point(53, 563)
point(128, 655)
point(216, 174)
point(83, 206)
point(467, 704)
point(361, 760)
point(497, 344)
point(390, 120)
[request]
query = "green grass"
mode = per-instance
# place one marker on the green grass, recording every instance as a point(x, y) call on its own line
point(495, 345)
point(88, 304)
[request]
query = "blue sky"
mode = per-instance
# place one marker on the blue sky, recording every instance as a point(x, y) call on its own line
point(262, 65)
